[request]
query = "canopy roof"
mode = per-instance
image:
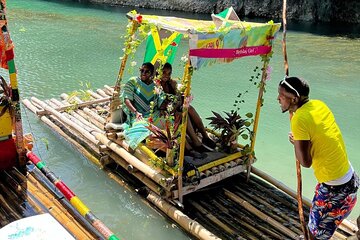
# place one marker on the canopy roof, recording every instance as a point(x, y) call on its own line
point(220, 40)
point(194, 26)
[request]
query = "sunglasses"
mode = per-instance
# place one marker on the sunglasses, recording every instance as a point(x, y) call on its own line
point(144, 71)
point(289, 86)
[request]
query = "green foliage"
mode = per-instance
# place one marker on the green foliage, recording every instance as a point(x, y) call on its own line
point(231, 127)
point(135, 34)
point(82, 94)
point(168, 137)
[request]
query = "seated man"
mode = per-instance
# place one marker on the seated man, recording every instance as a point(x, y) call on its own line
point(138, 94)
point(194, 123)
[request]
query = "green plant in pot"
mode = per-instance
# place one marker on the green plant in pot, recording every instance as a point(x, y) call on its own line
point(231, 127)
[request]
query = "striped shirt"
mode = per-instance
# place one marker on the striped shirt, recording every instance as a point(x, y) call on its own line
point(141, 95)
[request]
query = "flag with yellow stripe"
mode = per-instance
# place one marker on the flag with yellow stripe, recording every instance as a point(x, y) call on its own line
point(161, 45)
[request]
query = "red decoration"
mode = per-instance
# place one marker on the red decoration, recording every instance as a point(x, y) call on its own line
point(139, 18)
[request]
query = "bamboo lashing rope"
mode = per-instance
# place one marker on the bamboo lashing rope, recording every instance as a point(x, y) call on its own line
point(298, 165)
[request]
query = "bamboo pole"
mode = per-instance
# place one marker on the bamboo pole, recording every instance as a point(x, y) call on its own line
point(23, 193)
point(77, 105)
point(212, 218)
point(15, 200)
point(9, 209)
point(159, 190)
point(286, 64)
point(224, 210)
point(263, 188)
point(57, 210)
point(15, 96)
point(246, 225)
point(281, 218)
point(3, 220)
point(187, 81)
point(299, 198)
point(115, 100)
point(101, 92)
point(285, 217)
point(298, 166)
point(215, 163)
point(183, 220)
point(93, 114)
point(72, 198)
point(87, 110)
point(86, 123)
point(36, 195)
point(345, 223)
point(155, 158)
point(278, 184)
point(94, 95)
point(148, 171)
point(95, 122)
point(49, 186)
point(109, 89)
point(61, 129)
point(257, 113)
point(66, 120)
point(260, 214)
point(163, 169)
point(241, 216)
point(59, 103)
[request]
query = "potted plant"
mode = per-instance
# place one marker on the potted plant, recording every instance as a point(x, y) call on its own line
point(166, 138)
point(231, 127)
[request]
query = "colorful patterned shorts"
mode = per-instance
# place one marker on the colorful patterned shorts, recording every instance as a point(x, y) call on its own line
point(330, 206)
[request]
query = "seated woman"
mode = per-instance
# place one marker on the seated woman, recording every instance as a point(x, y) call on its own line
point(194, 123)
point(138, 94)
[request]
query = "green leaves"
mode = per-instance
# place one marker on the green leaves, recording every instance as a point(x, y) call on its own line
point(168, 136)
point(231, 126)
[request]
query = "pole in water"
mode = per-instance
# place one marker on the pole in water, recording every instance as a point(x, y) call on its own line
point(298, 165)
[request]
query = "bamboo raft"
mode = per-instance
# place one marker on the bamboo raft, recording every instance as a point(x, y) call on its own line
point(212, 209)
point(24, 196)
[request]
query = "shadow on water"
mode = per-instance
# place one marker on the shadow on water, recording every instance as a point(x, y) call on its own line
point(328, 29)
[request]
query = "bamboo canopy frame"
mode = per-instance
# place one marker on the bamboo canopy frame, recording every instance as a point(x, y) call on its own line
point(196, 27)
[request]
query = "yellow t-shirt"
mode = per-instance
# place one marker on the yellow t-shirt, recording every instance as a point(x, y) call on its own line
point(315, 122)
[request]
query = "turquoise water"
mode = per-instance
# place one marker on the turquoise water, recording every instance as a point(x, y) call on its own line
point(58, 45)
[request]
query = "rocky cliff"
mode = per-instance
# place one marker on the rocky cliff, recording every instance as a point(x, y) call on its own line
point(305, 10)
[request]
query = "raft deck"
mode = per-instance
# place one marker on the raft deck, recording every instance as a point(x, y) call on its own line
point(25, 196)
point(219, 202)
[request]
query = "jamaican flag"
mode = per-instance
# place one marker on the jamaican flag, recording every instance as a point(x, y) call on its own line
point(161, 45)
point(225, 17)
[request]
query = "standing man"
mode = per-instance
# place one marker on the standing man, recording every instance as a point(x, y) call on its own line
point(318, 143)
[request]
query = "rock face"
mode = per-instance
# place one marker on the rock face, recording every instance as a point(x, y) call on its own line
point(305, 10)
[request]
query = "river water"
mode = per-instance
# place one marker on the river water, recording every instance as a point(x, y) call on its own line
point(59, 45)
